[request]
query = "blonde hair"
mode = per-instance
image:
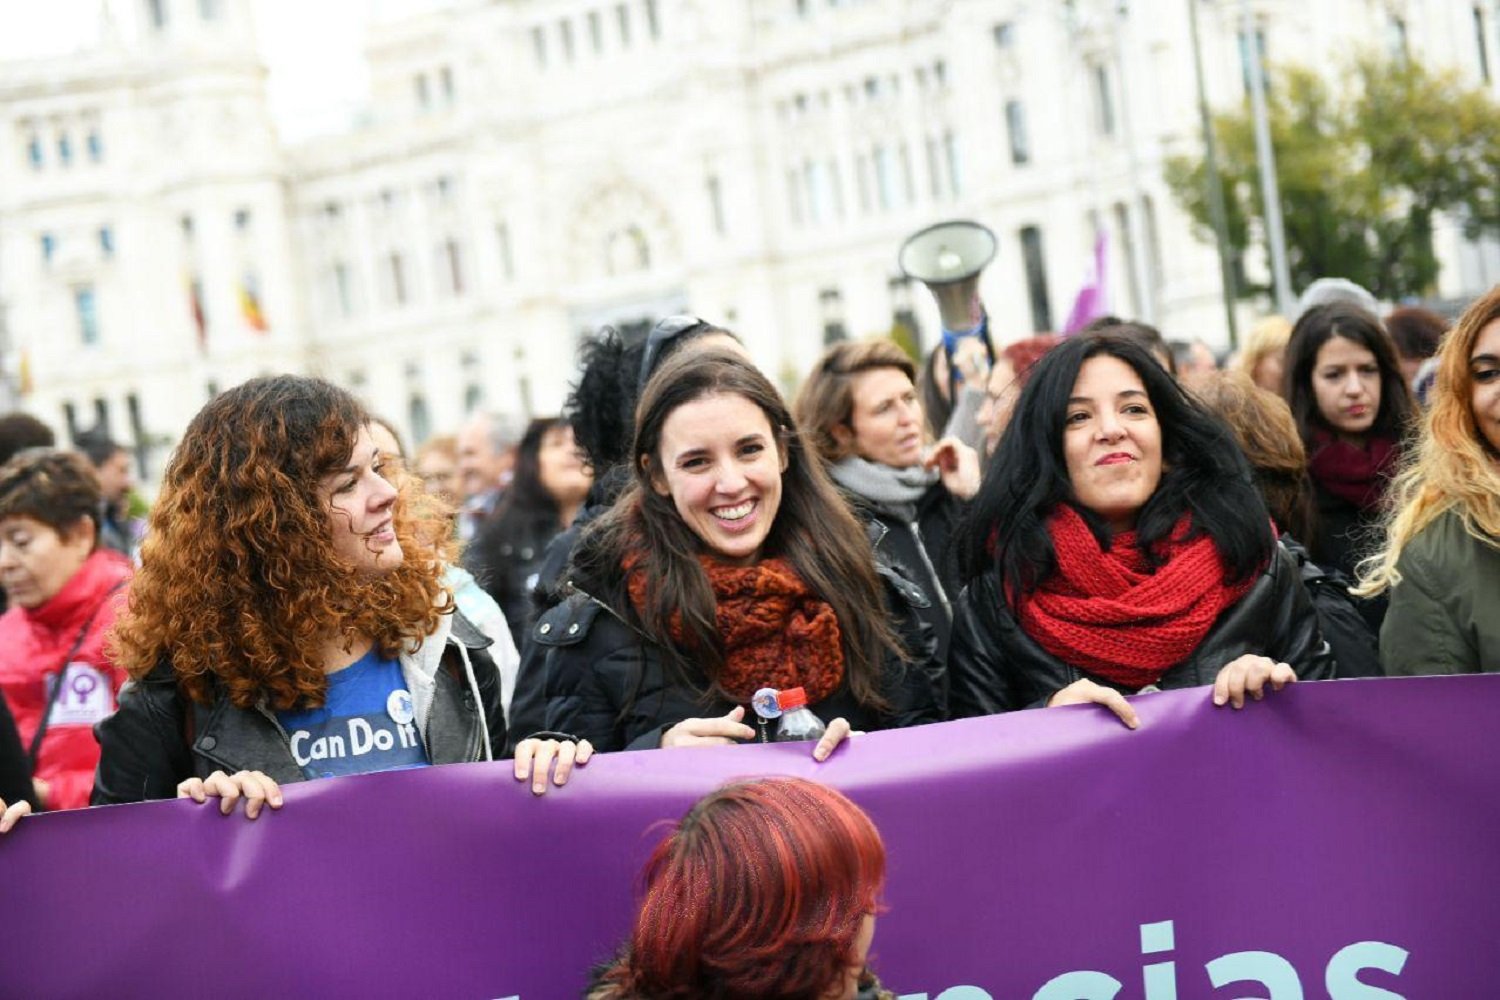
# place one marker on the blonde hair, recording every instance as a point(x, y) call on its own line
point(1451, 466)
point(1265, 338)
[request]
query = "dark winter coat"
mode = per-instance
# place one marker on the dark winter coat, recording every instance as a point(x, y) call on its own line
point(1343, 536)
point(1353, 642)
point(605, 682)
point(506, 559)
point(993, 666)
point(922, 551)
point(158, 738)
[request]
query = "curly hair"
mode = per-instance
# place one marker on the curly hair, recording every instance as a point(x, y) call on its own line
point(240, 583)
point(57, 488)
point(1262, 424)
point(795, 869)
point(1450, 466)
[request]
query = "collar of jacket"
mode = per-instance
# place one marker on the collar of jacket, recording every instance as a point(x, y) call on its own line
point(72, 605)
point(255, 740)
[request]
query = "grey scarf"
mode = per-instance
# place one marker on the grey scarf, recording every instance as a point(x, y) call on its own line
point(894, 491)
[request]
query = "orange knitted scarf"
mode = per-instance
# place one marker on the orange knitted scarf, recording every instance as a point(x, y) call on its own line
point(774, 630)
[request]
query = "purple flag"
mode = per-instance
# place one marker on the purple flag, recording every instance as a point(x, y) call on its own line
point(1337, 839)
point(1093, 298)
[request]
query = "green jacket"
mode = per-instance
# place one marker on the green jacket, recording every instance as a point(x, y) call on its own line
point(1445, 613)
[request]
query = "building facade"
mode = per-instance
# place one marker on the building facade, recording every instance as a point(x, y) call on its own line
point(532, 169)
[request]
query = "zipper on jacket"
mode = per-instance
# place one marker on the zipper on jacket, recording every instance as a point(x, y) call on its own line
point(937, 584)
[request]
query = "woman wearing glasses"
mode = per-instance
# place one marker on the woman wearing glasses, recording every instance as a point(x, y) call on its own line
point(729, 564)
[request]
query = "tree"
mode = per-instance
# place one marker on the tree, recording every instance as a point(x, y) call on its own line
point(1362, 174)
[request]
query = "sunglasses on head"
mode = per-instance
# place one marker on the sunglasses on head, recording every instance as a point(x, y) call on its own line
point(662, 334)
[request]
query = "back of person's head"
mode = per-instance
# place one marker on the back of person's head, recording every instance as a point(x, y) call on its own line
point(240, 579)
point(1023, 354)
point(97, 446)
point(1331, 291)
point(1267, 336)
point(1142, 334)
point(1416, 331)
point(612, 372)
point(826, 399)
point(57, 488)
point(1203, 473)
point(1262, 424)
point(1452, 464)
point(1313, 329)
point(19, 431)
point(761, 892)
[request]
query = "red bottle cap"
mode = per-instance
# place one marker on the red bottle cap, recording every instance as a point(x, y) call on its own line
point(791, 698)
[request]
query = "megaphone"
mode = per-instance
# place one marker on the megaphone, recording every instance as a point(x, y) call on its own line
point(948, 258)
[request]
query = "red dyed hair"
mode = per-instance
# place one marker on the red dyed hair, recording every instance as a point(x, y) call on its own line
point(760, 892)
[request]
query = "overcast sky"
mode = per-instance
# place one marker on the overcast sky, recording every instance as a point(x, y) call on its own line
point(312, 48)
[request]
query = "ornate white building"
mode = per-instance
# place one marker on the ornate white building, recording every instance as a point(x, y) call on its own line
point(531, 169)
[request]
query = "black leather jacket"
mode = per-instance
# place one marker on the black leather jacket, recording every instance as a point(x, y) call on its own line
point(921, 550)
point(606, 683)
point(993, 666)
point(158, 739)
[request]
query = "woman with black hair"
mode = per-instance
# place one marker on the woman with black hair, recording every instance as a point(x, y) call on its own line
point(544, 496)
point(1118, 544)
point(1352, 408)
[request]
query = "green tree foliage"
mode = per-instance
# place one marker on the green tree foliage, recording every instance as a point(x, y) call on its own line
point(1363, 168)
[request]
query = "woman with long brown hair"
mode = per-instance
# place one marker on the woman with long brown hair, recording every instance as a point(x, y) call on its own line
point(728, 565)
point(289, 619)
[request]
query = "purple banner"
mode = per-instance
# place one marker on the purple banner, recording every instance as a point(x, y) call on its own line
point(1338, 839)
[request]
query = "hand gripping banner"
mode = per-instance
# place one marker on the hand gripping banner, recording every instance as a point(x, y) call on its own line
point(1336, 840)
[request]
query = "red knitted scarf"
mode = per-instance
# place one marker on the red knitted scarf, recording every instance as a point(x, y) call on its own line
point(1107, 613)
point(774, 630)
point(1354, 473)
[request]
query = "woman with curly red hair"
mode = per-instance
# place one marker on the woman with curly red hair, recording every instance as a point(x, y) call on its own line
point(289, 619)
point(796, 871)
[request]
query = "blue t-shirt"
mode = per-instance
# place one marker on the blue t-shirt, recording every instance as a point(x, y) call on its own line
point(367, 723)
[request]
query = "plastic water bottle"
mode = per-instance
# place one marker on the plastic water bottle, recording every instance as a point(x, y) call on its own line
point(798, 723)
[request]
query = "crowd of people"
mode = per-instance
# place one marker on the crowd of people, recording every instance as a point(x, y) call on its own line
point(1121, 515)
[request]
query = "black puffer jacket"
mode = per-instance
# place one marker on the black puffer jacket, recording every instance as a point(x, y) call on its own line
point(993, 666)
point(605, 682)
point(158, 739)
point(922, 550)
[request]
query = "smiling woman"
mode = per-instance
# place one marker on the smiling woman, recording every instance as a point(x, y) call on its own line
point(1118, 544)
point(289, 600)
point(728, 565)
point(1442, 555)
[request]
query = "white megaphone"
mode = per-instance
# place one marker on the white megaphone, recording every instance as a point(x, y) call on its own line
point(948, 259)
